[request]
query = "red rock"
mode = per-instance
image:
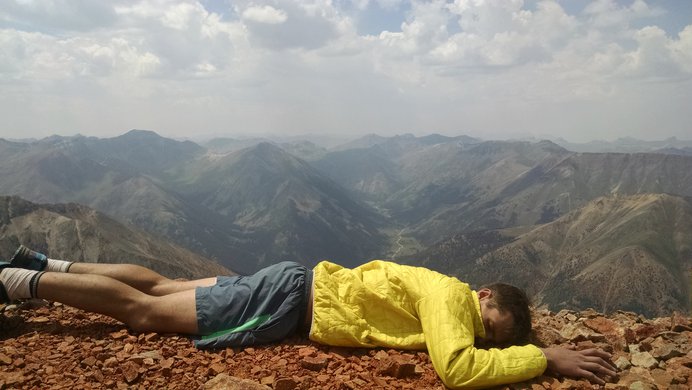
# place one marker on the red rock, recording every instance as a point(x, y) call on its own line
point(130, 372)
point(381, 355)
point(166, 363)
point(110, 362)
point(285, 384)
point(601, 325)
point(89, 361)
point(679, 322)
point(662, 379)
point(397, 366)
point(630, 336)
point(267, 380)
point(643, 359)
point(313, 363)
point(307, 351)
point(546, 335)
point(615, 386)
point(149, 337)
point(227, 382)
point(216, 368)
point(645, 330)
point(4, 359)
point(121, 334)
point(576, 332)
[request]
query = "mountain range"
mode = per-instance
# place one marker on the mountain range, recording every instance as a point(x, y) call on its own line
point(444, 202)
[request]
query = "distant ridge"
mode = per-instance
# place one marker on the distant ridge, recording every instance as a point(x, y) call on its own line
point(78, 233)
point(619, 252)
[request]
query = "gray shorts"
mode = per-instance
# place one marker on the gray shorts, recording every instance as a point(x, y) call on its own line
point(261, 308)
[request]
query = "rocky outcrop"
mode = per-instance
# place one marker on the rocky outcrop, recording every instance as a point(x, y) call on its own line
point(56, 346)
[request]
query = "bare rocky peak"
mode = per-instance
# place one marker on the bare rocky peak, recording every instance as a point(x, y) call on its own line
point(56, 346)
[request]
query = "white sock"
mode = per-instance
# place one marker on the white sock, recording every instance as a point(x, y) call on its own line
point(20, 283)
point(58, 265)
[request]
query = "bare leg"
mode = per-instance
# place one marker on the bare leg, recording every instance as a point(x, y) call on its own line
point(172, 313)
point(141, 278)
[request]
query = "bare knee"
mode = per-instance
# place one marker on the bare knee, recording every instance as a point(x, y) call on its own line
point(141, 316)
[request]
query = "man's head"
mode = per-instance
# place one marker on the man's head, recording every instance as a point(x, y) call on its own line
point(505, 312)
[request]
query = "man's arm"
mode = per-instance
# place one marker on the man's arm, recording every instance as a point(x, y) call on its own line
point(590, 363)
point(447, 318)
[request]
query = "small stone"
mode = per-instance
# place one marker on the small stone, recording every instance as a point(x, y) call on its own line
point(285, 384)
point(121, 334)
point(167, 363)
point(216, 368)
point(149, 337)
point(4, 359)
point(615, 386)
point(268, 380)
point(306, 351)
point(666, 351)
point(381, 355)
point(89, 361)
point(313, 363)
point(130, 372)
point(680, 323)
point(397, 366)
point(110, 362)
point(643, 359)
point(639, 385)
point(227, 382)
point(662, 379)
point(622, 363)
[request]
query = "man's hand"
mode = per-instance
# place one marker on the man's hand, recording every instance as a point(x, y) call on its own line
point(591, 364)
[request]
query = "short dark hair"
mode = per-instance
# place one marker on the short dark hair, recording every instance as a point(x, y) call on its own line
point(509, 299)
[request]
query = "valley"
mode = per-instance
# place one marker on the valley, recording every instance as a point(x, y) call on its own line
point(553, 221)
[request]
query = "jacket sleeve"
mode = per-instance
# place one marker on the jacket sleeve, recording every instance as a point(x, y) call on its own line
point(447, 318)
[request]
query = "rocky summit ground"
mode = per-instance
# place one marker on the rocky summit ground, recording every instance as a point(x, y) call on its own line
point(52, 346)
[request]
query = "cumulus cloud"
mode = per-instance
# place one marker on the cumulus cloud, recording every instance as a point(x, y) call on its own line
point(265, 14)
point(297, 24)
point(290, 65)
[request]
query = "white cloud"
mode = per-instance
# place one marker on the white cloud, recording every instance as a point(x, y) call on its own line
point(681, 50)
point(298, 25)
point(265, 14)
point(290, 65)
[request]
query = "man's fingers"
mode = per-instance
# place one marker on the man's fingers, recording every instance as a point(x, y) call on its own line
point(602, 359)
point(601, 365)
point(596, 352)
point(597, 368)
point(591, 377)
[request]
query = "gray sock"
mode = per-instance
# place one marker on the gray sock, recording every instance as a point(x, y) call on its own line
point(20, 283)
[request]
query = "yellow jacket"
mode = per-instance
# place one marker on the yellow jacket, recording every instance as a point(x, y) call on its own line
point(383, 304)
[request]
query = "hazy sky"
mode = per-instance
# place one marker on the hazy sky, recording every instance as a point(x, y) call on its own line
point(576, 69)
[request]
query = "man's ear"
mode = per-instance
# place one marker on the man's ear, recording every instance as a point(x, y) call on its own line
point(485, 293)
